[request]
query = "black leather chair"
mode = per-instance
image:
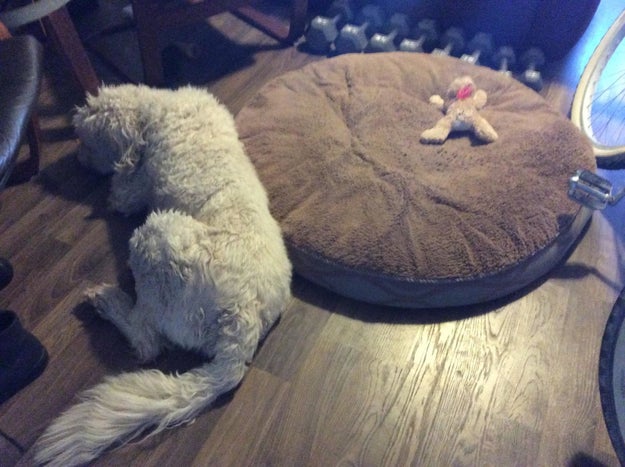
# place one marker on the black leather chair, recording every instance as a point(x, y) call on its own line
point(20, 78)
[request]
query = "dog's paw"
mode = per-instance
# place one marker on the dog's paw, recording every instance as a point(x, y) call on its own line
point(94, 296)
point(106, 299)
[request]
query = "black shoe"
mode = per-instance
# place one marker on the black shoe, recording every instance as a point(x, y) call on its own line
point(22, 357)
point(6, 273)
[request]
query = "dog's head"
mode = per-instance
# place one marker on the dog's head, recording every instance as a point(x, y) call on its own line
point(110, 129)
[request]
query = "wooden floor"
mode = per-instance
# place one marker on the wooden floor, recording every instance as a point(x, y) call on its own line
point(337, 382)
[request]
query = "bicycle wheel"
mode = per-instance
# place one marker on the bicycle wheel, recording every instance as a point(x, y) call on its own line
point(612, 376)
point(598, 108)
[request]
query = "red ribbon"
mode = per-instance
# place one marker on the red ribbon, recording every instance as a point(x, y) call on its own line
point(464, 92)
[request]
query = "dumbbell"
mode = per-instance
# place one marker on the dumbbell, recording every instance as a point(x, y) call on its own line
point(425, 34)
point(355, 37)
point(396, 29)
point(533, 59)
point(504, 59)
point(481, 46)
point(324, 30)
point(452, 42)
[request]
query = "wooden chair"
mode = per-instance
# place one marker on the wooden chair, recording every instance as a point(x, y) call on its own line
point(152, 17)
point(59, 27)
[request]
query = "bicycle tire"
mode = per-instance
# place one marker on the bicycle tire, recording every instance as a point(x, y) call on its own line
point(609, 156)
point(612, 376)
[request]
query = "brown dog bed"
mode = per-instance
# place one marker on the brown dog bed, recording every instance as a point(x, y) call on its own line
point(371, 213)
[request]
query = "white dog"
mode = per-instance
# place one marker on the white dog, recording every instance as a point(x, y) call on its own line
point(210, 266)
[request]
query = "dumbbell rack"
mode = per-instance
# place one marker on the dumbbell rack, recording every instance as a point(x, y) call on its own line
point(347, 27)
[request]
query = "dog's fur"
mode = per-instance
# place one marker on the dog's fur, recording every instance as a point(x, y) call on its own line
point(210, 267)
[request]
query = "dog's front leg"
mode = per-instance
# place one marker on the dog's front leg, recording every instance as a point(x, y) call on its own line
point(130, 192)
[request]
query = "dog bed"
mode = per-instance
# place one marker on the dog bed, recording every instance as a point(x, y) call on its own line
point(373, 214)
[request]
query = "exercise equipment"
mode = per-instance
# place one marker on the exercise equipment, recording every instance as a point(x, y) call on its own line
point(597, 108)
point(452, 42)
point(355, 37)
point(397, 28)
point(425, 36)
point(480, 47)
point(592, 190)
point(596, 192)
point(504, 59)
point(611, 367)
point(533, 59)
point(324, 30)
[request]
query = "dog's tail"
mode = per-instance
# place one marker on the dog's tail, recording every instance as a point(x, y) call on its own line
point(146, 402)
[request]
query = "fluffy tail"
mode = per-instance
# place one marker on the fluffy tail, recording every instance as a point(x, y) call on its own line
point(125, 406)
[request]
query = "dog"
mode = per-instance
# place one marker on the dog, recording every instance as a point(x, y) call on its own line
point(211, 269)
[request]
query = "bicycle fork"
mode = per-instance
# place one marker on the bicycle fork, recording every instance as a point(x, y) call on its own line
point(593, 191)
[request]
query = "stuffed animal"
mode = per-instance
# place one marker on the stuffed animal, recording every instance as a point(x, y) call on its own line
point(461, 108)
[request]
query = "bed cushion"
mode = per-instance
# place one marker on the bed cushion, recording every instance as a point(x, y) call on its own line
point(370, 212)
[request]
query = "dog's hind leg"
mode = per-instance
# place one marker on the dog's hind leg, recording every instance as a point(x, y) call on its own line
point(114, 305)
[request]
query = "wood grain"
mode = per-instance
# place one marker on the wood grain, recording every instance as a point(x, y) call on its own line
point(337, 382)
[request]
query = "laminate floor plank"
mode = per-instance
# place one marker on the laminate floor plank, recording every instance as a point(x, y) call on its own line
point(11, 454)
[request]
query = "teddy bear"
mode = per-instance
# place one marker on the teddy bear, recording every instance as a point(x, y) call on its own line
point(461, 108)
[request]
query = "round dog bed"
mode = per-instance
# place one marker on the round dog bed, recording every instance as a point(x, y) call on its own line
point(370, 212)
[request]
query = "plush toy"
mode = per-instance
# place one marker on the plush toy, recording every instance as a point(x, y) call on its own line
point(461, 106)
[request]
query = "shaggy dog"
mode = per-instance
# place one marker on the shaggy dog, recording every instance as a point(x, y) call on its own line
point(210, 266)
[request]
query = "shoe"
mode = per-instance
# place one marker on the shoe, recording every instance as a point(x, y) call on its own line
point(6, 273)
point(22, 357)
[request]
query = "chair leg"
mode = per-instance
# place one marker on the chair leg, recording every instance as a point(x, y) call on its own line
point(4, 32)
point(33, 134)
point(60, 27)
point(149, 33)
point(274, 27)
point(27, 169)
point(148, 37)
